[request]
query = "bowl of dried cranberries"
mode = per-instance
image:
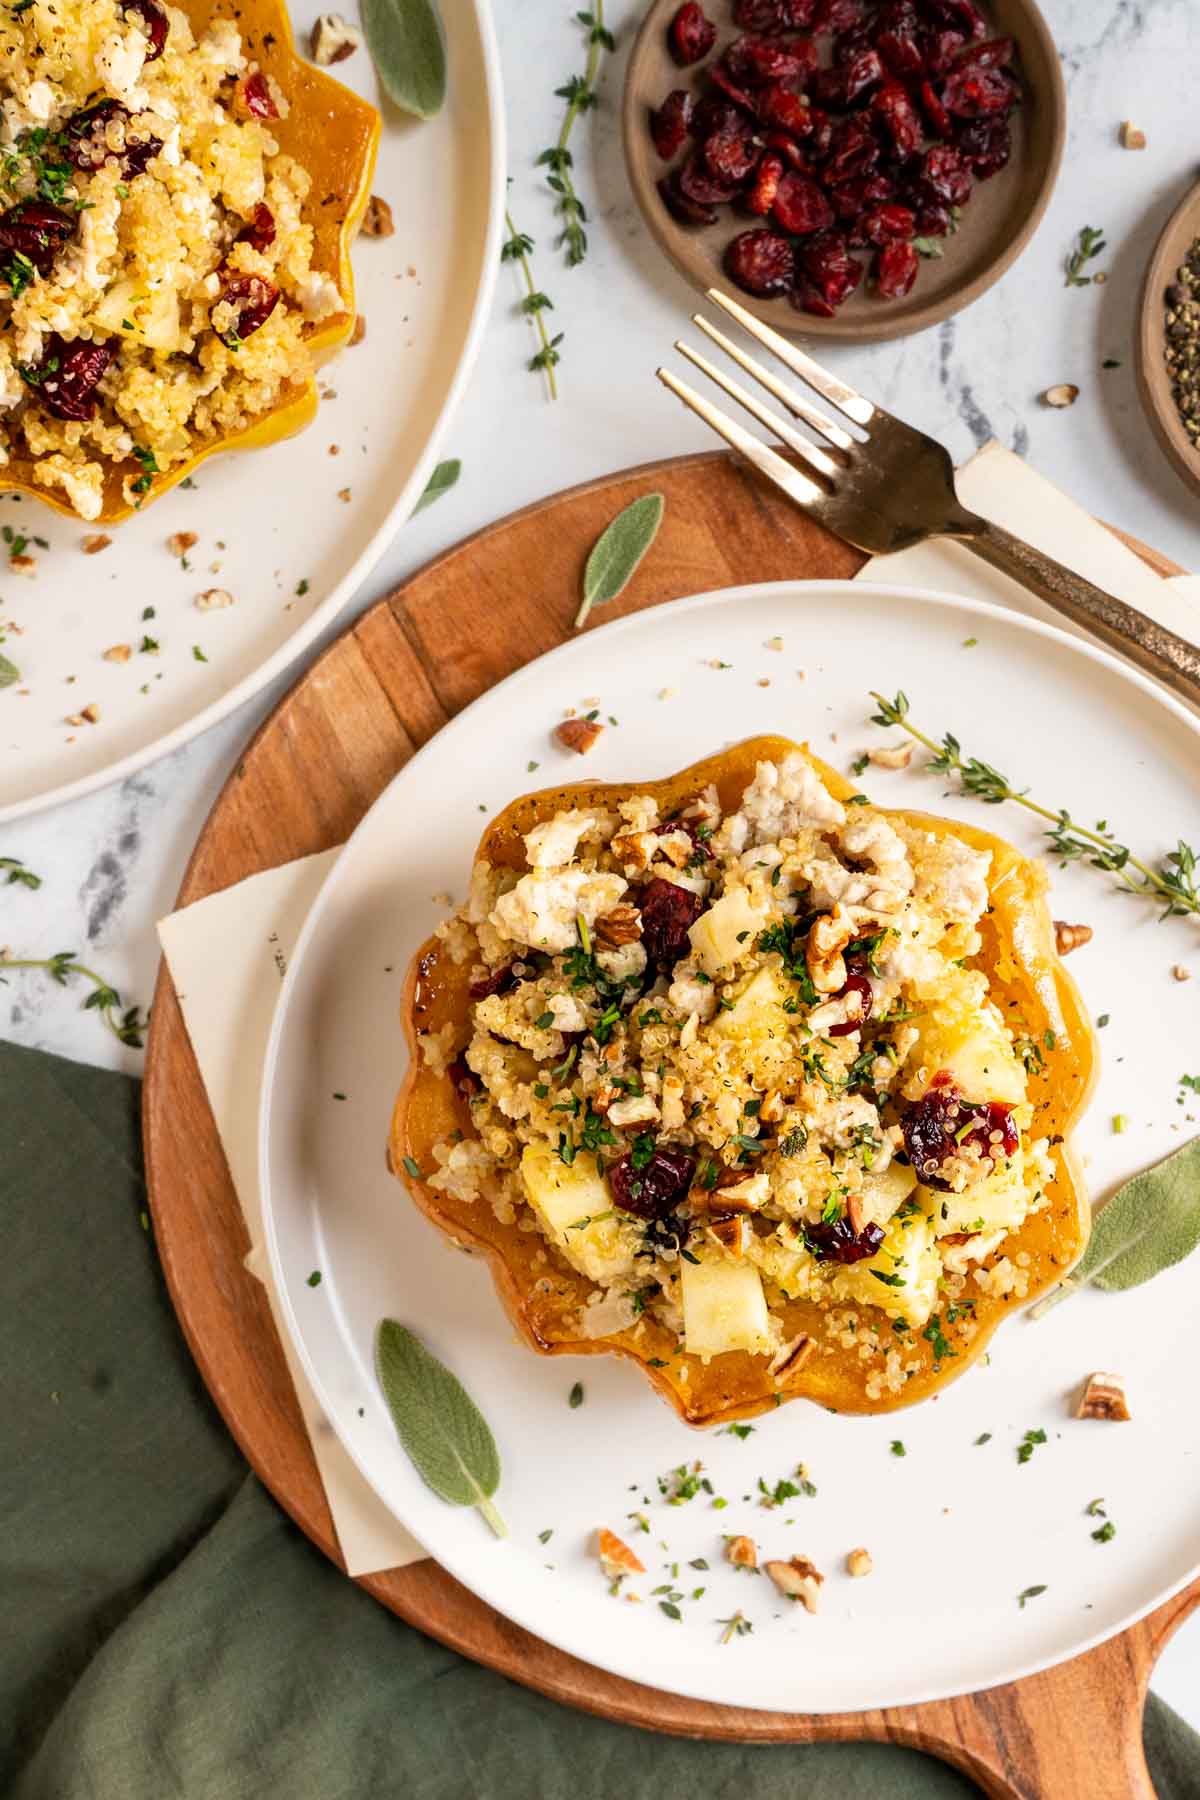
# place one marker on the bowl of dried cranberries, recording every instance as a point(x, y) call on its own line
point(857, 169)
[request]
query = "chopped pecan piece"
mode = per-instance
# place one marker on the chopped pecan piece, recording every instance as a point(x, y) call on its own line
point(616, 1558)
point(377, 220)
point(578, 734)
point(859, 1562)
point(360, 330)
point(97, 541)
point(180, 542)
point(1103, 1398)
point(742, 1552)
point(771, 1110)
point(854, 1212)
point(823, 952)
point(732, 1231)
point(634, 848)
point(214, 599)
point(333, 39)
point(790, 1359)
point(1132, 136)
point(895, 756)
point(118, 653)
point(1070, 937)
point(799, 1580)
point(623, 925)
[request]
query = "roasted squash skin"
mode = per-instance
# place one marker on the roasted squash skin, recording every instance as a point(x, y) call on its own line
point(334, 135)
point(541, 1293)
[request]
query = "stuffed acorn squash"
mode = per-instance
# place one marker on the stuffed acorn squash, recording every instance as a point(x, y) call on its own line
point(178, 192)
point(739, 1077)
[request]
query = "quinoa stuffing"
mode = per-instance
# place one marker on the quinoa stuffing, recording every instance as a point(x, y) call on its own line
point(155, 265)
point(721, 1061)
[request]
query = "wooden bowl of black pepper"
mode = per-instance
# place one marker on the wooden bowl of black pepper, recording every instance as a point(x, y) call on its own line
point(1168, 343)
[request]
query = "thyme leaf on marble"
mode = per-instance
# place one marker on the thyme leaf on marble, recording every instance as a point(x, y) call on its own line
point(1149, 1225)
point(127, 1024)
point(1089, 244)
point(438, 1423)
point(518, 248)
point(581, 96)
point(1173, 880)
point(617, 552)
point(15, 874)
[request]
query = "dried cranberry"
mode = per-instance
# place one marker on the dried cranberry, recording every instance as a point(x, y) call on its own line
point(827, 274)
point(838, 15)
point(691, 35)
point(668, 910)
point(669, 126)
point(896, 269)
point(893, 106)
point(945, 176)
point(155, 20)
point(761, 262)
point(853, 200)
point(973, 89)
point(942, 49)
point(898, 39)
point(800, 205)
point(959, 15)
point(677, 203)
point(761, 196)
point(940, 122)
point(840, 1243)
point(701, 186)
point(137, 156)
point(35, 230)
point(257, 97)
point(820, 136)
point(938, 1125)
point(848, 82)
point(784, 110)
point(86, 145)
point(721, 78)
point(986, 146)
point(854, 150)
point(996, 53)
point(260, 232)
point(498, 982)
point(860, 985)
point(655, 1189)
point(716, 113)
point(886, 223)
point(755, 61)
point(788, 148)
point(934, 217)
point(760, 16)
point(253, 301)
point(66, 377)
point(798, 15)
point(730, 156)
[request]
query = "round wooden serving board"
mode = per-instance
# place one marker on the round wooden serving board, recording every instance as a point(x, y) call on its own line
point(302, 785)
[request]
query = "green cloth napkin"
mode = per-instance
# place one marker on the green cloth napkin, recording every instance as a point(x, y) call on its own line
point(166, 1629)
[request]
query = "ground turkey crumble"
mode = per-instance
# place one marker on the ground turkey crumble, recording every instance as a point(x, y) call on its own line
point(724, 1061)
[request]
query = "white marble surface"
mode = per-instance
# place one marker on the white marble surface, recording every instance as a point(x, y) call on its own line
point(111, 864)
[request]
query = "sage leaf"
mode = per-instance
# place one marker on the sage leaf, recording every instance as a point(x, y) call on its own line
point(9, 672)
point(438, 1423)
point(618, 551)
point(440, 482)
point(409, 52)
point(1149, 1225)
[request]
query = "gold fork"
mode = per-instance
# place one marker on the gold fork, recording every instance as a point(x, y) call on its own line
point(884, 486)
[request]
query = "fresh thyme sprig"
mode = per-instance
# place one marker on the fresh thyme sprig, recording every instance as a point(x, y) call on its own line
point(1091, 243)
point(14, 872)
point(1173, 881)
point(517, 248)
point(128, 1026)
point(580, 95)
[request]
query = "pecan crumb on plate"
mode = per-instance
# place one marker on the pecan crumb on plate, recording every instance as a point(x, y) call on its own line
point(1103, 1397)
point(214, 599)
point(892, 756)
point(799, 1579)
point(859, 1563)
point(118, 653)
point(333, 39)
point(579, 735)
point(95, 542)
point(377, 220)
point(742, 1552)
point(1070, 937)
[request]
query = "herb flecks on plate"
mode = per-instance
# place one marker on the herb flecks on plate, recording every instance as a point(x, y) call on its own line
point(439, 1425)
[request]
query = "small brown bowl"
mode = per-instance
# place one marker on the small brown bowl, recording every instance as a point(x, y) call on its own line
point(997, 223)
point(1154, 381)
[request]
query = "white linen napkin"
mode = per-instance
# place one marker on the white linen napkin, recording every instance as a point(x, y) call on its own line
point(228, 954)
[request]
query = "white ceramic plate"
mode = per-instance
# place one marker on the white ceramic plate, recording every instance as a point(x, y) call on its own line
point(957, 1530)
point(271, 520)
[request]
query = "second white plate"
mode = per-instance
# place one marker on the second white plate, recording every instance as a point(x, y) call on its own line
point(958, 1528)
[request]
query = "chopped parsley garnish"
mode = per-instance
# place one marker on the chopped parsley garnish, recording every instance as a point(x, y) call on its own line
point(1030, 1593)
point(737, 1431)
point(933, 1334)
point(898, 1447)
point(1106, 1532)
point(1029, 1444)
point(314, 1279)
point(575, 1397)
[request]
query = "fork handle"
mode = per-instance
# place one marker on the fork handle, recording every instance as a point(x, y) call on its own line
point(1161, 653)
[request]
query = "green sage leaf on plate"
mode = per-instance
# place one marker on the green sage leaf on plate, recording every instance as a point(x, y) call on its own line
point(618, 551)
point(409, 52)
point(438, 1423)
point(439, 483)
point(1149, 1225)
point(9, 672)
